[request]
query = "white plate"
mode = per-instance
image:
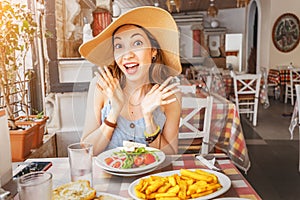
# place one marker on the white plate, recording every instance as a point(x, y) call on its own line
point(101, 163)
point(117, 197)
point(223, 179)
point(231, 198)
point(130, 174)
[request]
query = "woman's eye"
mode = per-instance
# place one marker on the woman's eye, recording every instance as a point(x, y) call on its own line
point(138, 43)
point(118, 46)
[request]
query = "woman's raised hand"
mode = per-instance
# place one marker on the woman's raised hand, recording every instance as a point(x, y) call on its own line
point(159, 95)
point(110, 86)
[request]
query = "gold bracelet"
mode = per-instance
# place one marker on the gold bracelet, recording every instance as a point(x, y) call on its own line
point(154, 133)
point(110, 124)
point(151, 137)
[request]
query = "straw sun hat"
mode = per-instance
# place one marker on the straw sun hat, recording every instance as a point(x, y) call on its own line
point(157, 21)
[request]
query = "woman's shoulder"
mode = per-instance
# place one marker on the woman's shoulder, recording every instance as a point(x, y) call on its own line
point(174, 106)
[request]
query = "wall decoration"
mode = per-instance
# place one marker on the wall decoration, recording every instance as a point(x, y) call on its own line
point(285, 32)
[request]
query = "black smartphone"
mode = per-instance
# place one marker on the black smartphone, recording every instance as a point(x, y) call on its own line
point(34, 167)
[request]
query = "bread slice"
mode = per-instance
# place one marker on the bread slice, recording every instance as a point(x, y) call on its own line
point(78, 190)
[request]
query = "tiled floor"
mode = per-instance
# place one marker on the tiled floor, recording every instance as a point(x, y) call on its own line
point(274, 156)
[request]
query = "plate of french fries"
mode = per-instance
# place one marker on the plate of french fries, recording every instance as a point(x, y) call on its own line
point(123, 161)
point(180, 184)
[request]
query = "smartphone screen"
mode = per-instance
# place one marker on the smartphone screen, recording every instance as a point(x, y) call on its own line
point(34, 167)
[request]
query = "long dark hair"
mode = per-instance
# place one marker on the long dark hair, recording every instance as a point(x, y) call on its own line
point(158, 72)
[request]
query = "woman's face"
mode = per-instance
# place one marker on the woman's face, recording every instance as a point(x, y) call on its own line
point(133, 52)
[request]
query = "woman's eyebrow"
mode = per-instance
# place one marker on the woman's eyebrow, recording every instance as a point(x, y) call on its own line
point(136, 34)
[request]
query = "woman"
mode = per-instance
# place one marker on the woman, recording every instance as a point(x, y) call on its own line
point(133, 97)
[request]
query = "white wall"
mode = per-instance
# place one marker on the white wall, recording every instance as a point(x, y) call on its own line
point(270, 57)
point(234, 43)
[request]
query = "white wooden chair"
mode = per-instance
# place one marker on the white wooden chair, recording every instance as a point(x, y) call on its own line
point(185, 89)
point(289, 87)
point(246, 94)
point(189, 128)
point(297, 89)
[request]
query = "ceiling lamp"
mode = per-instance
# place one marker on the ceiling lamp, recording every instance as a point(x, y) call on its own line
point(212, 9)
point(173, 3)
point(242, 3)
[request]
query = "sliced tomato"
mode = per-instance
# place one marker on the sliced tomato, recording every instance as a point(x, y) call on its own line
point(138, 160)
point(116, 164)
point(108, 160)
point(149, 158)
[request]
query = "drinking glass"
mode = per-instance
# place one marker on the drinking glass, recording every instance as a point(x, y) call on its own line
point(81, 161)
point(35, 186)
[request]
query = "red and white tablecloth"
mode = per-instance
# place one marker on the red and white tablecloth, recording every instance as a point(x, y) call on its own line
point(104, 182)
point(226, 132)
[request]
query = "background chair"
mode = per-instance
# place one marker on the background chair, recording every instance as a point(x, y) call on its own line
point(194, 127)
point(289, 87)
point(246, 94)
point(297, 86)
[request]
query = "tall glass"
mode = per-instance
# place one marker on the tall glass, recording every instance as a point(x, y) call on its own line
point(81, 161)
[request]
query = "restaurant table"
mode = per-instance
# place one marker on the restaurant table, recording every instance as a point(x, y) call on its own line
point(104, 182)
point(222, 84)
point(226, 132)
point(279, 77)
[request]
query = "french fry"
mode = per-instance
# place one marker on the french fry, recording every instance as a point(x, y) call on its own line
point(145, 185)
point(167, 194)
point(196, 195)
point(172, 180)
point(215, 178)
point(151, 196)
point(153, 187)
point(139, 186)
point(195, 175)
point(164, 188)
point(168, 198)
point(183, 188)
point(139, 194)
point(175, 189)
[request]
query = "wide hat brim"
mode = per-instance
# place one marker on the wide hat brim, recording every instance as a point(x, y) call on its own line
point(157, 21)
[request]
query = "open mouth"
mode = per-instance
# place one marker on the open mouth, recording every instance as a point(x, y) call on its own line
point(131, 68)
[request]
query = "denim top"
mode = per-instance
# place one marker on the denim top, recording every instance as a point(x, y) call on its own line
point(124, 130)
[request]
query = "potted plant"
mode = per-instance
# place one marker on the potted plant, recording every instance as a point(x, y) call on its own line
point(18, 29)
point(40, 121)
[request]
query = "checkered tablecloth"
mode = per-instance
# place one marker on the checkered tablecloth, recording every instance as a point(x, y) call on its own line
point(104, 182)
point(226, 132)
point(279, 77)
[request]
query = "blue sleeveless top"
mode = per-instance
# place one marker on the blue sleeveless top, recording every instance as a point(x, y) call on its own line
point(124, 130)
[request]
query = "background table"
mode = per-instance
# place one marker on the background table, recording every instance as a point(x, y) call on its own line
point(226, 131)
point(104, 182)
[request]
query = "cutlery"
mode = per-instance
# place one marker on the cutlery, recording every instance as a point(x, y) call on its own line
point(208, 163)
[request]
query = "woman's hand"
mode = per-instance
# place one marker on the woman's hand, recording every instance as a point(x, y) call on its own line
point(159, 95)
point(110, 86)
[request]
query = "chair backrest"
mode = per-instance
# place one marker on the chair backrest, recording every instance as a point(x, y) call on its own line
point(185, 89)
point(294, 76)
point(246, 84)
point(297, 86)
point(192, 115)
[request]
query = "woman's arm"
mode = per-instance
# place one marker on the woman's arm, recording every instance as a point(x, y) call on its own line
point(168, 139)
point(94, 131)
point(104, 87)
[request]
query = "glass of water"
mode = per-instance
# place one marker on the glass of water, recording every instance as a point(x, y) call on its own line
point(81, 161)
point(35, 186)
